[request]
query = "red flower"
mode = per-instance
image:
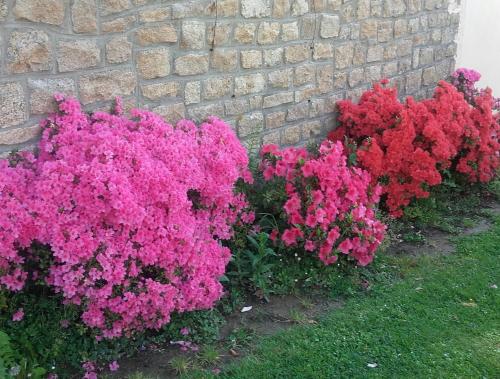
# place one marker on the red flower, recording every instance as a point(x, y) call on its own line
point(405, 146)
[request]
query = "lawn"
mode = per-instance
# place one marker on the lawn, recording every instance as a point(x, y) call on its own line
point(425, 316)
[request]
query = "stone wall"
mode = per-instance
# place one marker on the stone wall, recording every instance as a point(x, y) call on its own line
point(274, 67)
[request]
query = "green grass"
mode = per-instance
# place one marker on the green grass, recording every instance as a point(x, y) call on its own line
point(431, 316)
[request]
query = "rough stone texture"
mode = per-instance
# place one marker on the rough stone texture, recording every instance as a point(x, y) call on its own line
point(297, 53)
point(76, 55)
point(156, 34)
point(154, 15)
point(42, 92)
point(29, 51)
point(153, 63)
point(219, 34)
point(343, 56)
point(191, 64)
point(46, 11)
point(251, 59)
point(160, 90)
point(255, 8)
point(114, 6)
point(248, 84)
point(192, 93)
point(330, 26)
point(216, 88)
point(274, 67)
point(84, 16)
point(224, 60)
point(249, 124)
point(117, 25)
point(172, 112)
point(106, 85)
point(3, 9)
point(322, 50)
point(244, 33)
point(199, 113)
point(12, 104)
point(193, 35)
point(268, 33)
point(281, 8)
point(118, 50)
point(278, 99)
point(19, 135)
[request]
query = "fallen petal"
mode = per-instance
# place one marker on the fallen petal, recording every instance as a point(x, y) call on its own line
point(234, 353)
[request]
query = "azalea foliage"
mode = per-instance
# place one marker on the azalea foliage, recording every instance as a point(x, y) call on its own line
point(133, 211)
point(329, 207)
point(406, 146)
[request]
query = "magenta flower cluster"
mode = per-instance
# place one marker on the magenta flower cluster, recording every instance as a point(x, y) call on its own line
point(133, 210)
point(465, 80)
point(330, 206)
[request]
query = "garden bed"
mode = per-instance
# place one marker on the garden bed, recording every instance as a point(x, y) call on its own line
point(123, 234)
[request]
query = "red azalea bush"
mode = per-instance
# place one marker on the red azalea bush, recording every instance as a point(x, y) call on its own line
point(480, 153)
point(133, 210)
point(329, 207)
point(480, 156)
point(406, 146)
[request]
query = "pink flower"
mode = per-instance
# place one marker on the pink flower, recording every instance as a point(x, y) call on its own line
point(293, 204)
point(311, 220)
point(134, 211)
point(18, 315)
point(333, 235)
point(326, 201)
point(308, 169)
point(269, 149)
point(88, 366)
point(184, 331)
point(59, 97)
point(268, 173)
point(248, 217)
point(309, 246)
point(118, 108)
point(114, 366)
point(290, 236)
point(273, 235)
point(185, 345)
point(345, 246)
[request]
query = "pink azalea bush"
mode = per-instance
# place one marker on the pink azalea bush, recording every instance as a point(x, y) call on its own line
point(133, 210)
point(329, 207)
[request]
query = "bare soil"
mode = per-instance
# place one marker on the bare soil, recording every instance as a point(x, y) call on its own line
point(440, 242)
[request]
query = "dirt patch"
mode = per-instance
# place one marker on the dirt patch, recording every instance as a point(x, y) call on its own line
point(279, 313)
point(152, 363)
point(440, 242)
point(484, 224)
point(436, 242)
point(264, 318)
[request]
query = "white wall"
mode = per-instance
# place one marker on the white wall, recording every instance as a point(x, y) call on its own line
point(479, 40)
